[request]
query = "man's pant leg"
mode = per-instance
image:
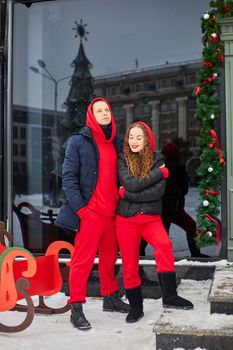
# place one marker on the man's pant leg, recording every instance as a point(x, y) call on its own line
point(86, 245)
point(108, 250)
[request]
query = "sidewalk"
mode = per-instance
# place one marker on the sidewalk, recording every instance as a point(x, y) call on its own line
point(109, 330)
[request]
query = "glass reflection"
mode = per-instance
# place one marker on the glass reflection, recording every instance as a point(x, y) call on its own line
point(145, 76)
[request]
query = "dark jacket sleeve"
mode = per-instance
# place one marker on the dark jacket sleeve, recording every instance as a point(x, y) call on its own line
point(71, 173)
point(134, 183)
point(152, 193)
point(118, 143)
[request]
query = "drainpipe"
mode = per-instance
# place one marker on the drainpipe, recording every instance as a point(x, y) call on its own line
point(227, 38)
point(2, 78)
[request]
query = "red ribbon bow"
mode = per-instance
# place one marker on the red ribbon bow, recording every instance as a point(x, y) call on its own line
point(218, 234)
point(207, 63)
point(212, 192)
point(198, 90)
point(210, 218)
point(217, 39)
point(226, 8)
point(216, 143)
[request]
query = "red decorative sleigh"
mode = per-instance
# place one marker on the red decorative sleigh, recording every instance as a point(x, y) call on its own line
point(23, 278)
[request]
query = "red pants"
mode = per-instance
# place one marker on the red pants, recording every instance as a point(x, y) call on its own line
point(129, 234)
point(96, 232)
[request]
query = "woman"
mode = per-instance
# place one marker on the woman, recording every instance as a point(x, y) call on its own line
point(141, 173)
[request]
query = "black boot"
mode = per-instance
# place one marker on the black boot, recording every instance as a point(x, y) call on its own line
point(78, 318)
point(112, 302)
point(136, 304)
point(167, 282)
point(195, 252)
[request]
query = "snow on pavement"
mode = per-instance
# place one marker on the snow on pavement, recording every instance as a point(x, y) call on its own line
point(109, 330)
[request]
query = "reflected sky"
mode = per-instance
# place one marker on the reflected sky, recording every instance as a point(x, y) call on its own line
point(124, 34)
point(151, 31)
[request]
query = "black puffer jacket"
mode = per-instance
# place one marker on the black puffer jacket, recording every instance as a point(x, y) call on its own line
point(142, 194)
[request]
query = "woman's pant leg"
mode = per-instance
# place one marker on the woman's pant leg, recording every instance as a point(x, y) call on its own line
point(155, 234)
point(129, 239)
point(86, 244)
point(108, 250)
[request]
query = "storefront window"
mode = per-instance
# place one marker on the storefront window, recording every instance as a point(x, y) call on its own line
point(67, 52)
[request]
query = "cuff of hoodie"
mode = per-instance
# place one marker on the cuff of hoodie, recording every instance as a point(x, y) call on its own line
point(82, 212)
point(165, 172)
point(122, 191)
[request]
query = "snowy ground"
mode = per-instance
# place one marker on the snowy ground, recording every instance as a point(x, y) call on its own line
point(109, 330)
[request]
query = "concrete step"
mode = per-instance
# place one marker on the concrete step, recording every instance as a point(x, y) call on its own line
point(221, 292)
point(197, 328)
point(150, 285)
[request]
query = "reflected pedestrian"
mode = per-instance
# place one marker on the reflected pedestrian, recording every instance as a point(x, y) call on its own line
point(174, 198)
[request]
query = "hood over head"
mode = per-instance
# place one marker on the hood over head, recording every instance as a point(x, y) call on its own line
point(150, 134)
point(94, 126)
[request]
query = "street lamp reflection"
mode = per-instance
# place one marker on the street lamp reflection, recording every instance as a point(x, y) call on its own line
point(44, 72)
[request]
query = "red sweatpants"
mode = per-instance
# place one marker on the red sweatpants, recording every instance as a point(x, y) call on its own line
point(129, 234)
point(96, 232)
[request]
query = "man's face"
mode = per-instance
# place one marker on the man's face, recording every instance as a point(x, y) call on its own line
point(101, 113)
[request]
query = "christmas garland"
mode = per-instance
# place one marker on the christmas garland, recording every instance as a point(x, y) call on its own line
point(207, 110)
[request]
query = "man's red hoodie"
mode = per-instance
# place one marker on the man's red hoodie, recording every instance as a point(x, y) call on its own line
point(105, 196)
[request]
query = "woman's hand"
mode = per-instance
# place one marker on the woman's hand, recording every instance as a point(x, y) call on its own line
point(122, 191)
point(165, 171)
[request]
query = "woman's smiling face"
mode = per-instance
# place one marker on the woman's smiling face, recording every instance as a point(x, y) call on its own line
point(136, 139)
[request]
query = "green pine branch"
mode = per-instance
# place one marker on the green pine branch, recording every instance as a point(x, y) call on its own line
point(207, 110)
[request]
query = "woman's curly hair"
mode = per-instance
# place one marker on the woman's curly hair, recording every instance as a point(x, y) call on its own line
point(139, 163)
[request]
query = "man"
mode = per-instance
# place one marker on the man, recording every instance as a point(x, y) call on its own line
point(89, 180)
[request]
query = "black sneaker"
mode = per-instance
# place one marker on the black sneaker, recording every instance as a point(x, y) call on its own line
point(113, 302)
